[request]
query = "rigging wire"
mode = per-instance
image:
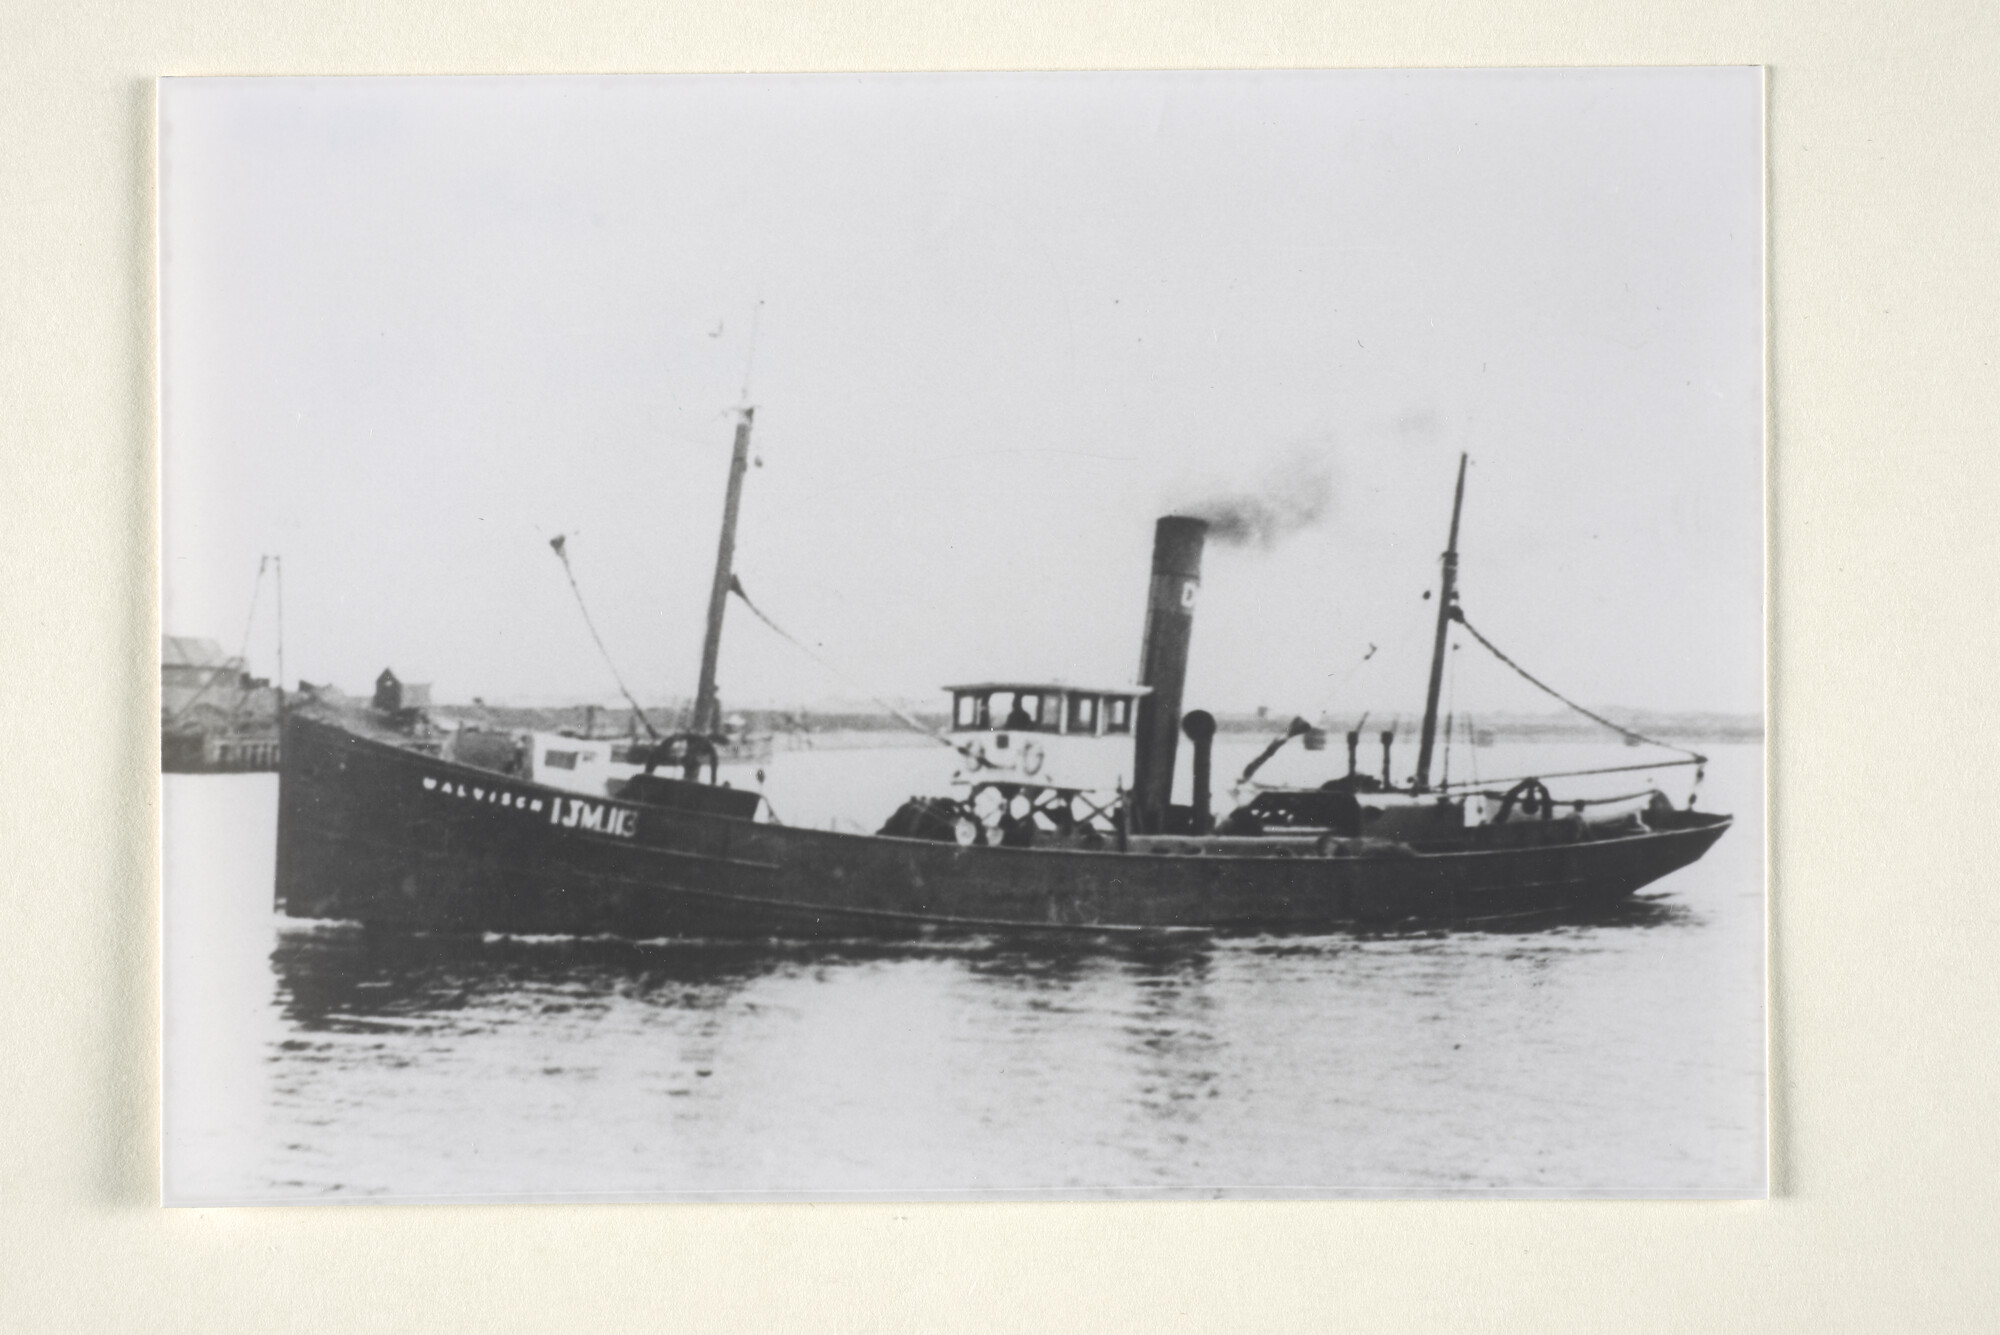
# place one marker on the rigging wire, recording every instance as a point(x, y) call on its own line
point(1374, 652)
point(1472, 748)
point(1348, 676)
point(916, 725)
point(1450, 707)
point(278, 565)
point(750, 358)
point(1695, 757)
point(250, 622)
point(559, 544)
point(243, 649)
point(1579, 773)
point(242, 652)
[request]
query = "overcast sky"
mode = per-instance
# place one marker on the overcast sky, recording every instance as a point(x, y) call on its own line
point(414, 328)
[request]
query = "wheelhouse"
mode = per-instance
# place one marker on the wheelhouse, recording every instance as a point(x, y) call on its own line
point(1054, 707)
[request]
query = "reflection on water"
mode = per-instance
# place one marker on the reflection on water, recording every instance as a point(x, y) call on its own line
point(1615, 1053)
point(334, 976)
point(1162, 1063)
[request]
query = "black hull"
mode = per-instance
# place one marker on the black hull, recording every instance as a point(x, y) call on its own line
point(371, 832)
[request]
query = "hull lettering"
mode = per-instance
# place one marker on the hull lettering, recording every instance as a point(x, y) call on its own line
point(576, 814)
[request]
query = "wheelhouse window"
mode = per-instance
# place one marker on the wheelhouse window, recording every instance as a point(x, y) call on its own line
point(968, 712)
point(1007, 710)
point(999, 709)
point(1018, 711)
point(1025, 709)
point(1118, 714)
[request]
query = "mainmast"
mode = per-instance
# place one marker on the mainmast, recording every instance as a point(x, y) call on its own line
point(707, 720)
point(1446, 595)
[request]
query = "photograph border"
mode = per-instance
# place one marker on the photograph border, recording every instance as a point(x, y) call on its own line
point(1882, 1160)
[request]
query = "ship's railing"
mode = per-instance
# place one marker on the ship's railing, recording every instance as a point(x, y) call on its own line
point(240, 753)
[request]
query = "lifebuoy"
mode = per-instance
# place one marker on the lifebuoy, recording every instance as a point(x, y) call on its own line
point(1031, 758)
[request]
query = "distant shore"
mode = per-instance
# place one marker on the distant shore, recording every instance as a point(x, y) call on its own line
point(840, 726)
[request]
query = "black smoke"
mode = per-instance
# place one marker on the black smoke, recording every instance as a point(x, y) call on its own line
point(1293, 496)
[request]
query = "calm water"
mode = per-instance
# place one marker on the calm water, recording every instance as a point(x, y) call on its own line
point(1616, 1057)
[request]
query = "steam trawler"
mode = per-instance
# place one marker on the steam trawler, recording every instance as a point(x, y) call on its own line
point(382, 820)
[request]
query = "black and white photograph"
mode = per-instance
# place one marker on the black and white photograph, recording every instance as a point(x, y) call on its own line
point(963, 636)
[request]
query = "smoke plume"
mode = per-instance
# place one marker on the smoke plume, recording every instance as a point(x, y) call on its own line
point(1295, 495)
